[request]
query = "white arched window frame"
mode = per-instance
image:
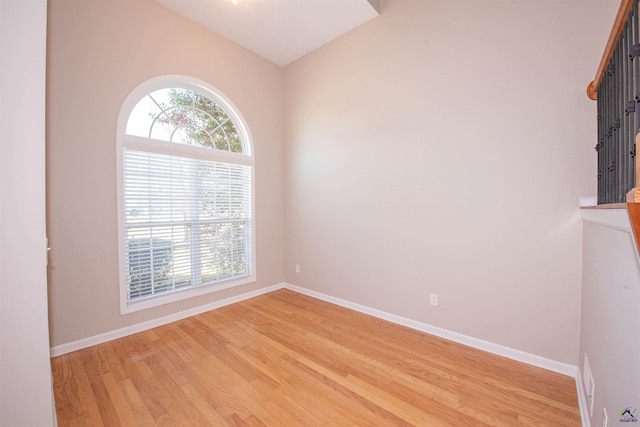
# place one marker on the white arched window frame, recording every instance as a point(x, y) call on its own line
point(186, 222)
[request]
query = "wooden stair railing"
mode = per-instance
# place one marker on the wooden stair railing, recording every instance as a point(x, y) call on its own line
point(618, 24)
point(628, 10)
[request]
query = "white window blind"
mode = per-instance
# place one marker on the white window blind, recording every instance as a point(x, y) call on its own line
point(187, 222)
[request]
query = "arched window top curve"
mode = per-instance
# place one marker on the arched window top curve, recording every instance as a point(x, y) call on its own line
point(189, 115)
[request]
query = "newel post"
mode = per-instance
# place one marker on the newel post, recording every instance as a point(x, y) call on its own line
point(633, 196)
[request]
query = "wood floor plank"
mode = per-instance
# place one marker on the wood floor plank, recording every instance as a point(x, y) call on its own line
point(205, 409)
point(68, 406)
point(405, 342)
point(352, 360)
point(285, 359)
point(252, 421)
point(137, 405)
point(108, 361)
point(273, 409)
point(402, 356)
point(90, 413)
point(169, 395)
point(139, 376)
point(313, 394)
point(210, 387)
point(121, 405)
point(328, 353)
point(104, 403)
point(347, 400)
point(206, 373)
point(361, 388)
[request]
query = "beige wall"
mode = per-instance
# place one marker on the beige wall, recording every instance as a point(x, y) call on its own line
point(99, 51)
point(442, 148)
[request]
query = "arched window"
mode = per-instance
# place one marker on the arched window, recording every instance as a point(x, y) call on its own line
point(185, 170)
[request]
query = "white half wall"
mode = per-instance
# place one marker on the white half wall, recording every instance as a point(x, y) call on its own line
point(610, 315)
point(25, 372)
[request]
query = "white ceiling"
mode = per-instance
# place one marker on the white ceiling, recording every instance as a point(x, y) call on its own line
point(278, 30)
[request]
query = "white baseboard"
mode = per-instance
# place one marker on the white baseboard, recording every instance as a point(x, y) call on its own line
point(518, 355)
point(139, 327)
point(500, 350)
point(582, 401)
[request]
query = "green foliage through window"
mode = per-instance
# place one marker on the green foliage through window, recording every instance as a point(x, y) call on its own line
point(185, 116)
point(203, 122)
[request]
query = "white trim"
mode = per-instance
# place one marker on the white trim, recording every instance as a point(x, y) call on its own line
point(612, 218)
point(582, 402)
point(510, 353)
point(143, 326)
point(182, 150)
point(616, 219)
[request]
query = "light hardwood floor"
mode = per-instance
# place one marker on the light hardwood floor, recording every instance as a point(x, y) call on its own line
point(285, 359)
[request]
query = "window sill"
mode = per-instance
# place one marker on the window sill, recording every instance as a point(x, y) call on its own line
point(132, 307)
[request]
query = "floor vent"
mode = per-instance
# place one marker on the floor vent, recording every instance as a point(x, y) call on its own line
point(589, 386)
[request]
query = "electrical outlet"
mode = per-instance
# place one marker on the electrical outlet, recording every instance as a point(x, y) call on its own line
point(297, 268)
point(433, 299)
point(605, 418)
